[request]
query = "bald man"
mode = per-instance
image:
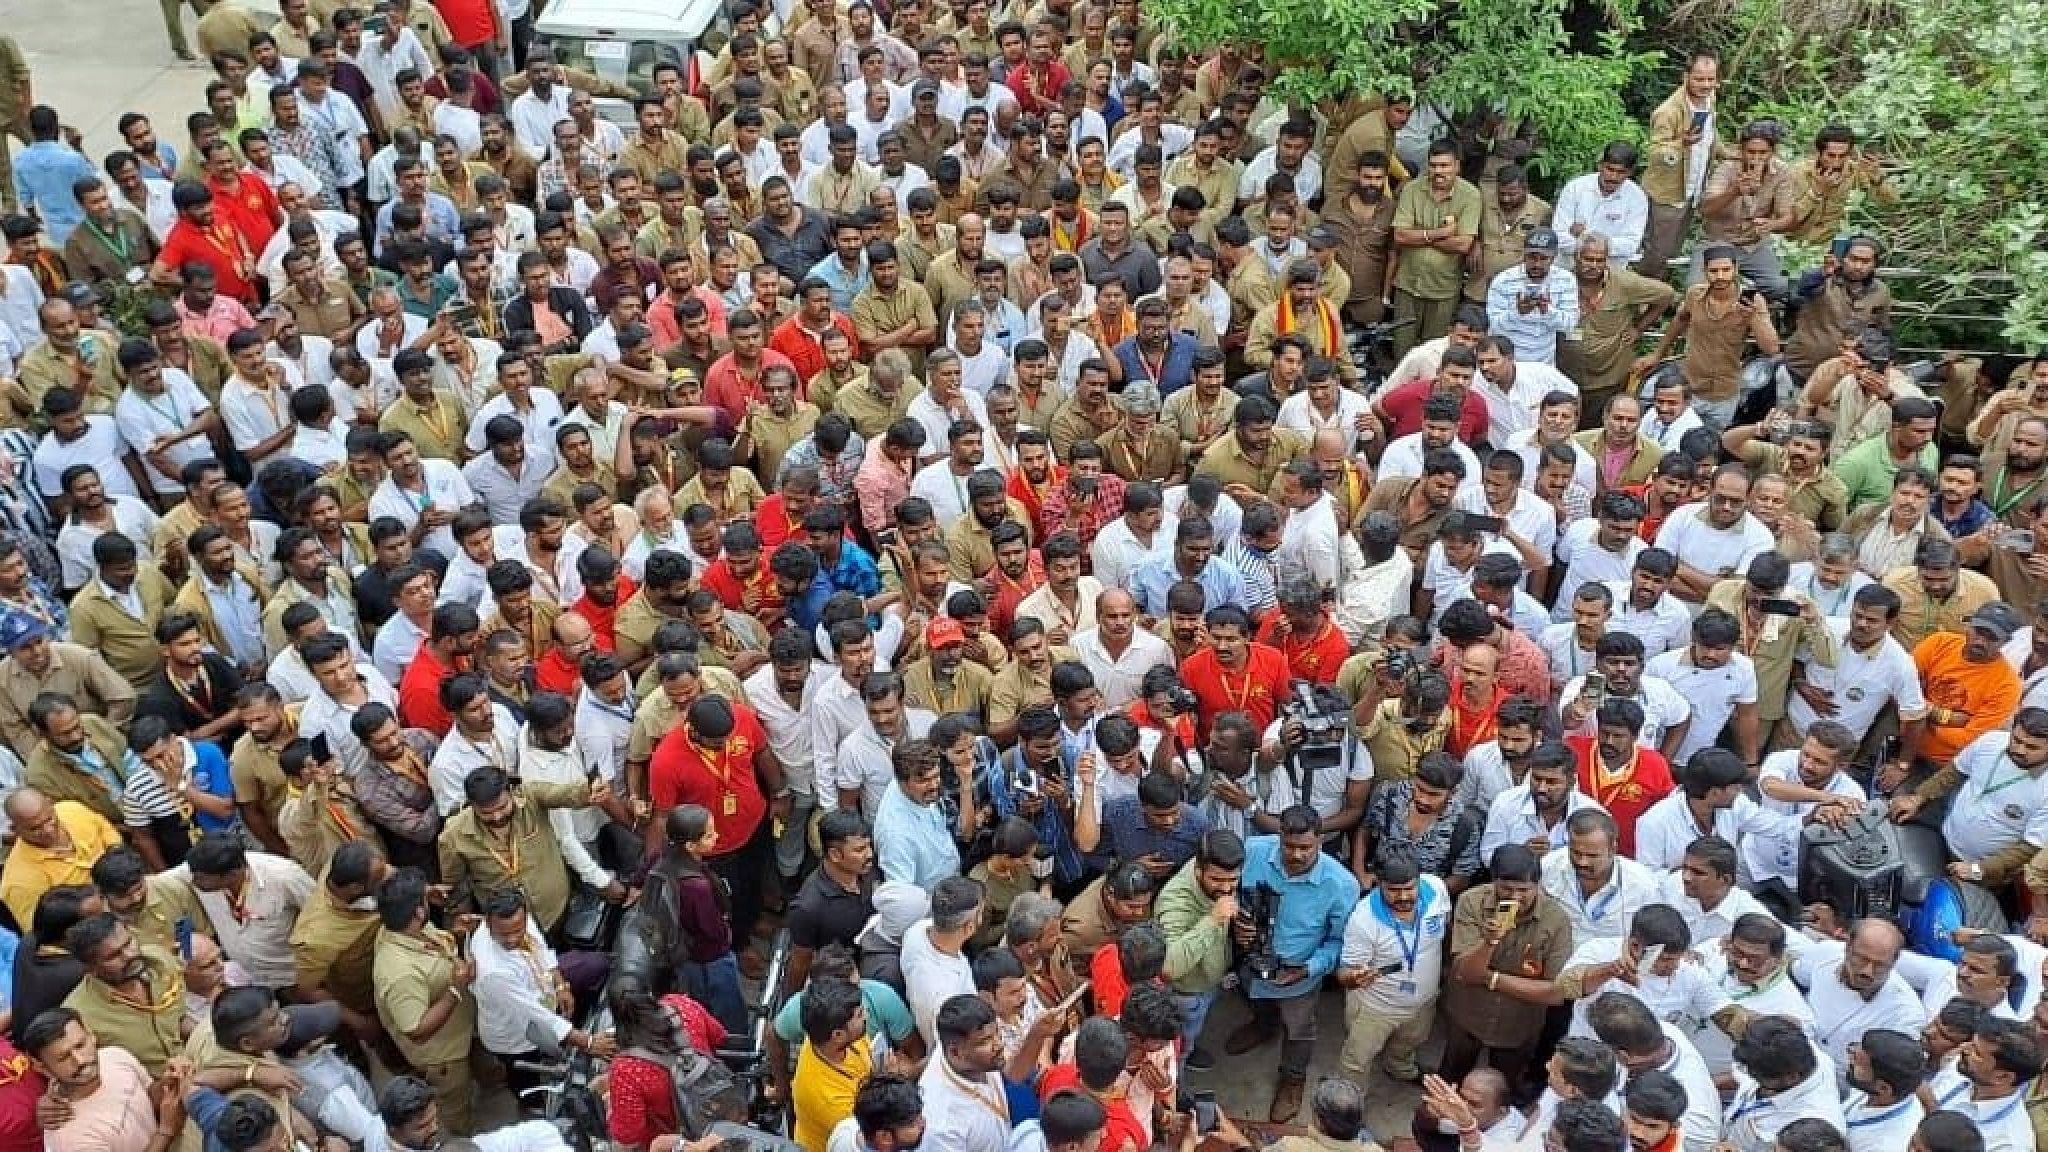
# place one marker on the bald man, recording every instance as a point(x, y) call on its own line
point(57, 842)
point(1485, 1092)
point(1117, 652)
point(1854, 987)
point(558, 670)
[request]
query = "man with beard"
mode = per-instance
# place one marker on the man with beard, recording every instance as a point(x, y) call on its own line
point(1235, 673)
point(2011, 489)
point(661, 596)
point(1249, 459)
point(1703, 887)
point(1813, 491)
point(1886, 1070)
point(1714, 538)
point(1970, 688)
point(944, 682)
point(1510, 931)
point(1602, 550)
point(1872, 668)
point(1775, 643)
point(1195, 910)
point(1019, 573)
point(1998, 803)
point(1419, 504)
point(1391, 968)
point(970, 549)
point(1868, 469)
point(132, 996)
point(1615, 768)
point(1842, 297)
point(962, 1085)
point(1616, 307)
point(1998, 1063)
point(1362, 220)
point(1654, 1053)
point(1439, 430)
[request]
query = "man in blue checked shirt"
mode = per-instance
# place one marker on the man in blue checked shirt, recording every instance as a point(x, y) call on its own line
point(1313, 896)
point(1034, 780)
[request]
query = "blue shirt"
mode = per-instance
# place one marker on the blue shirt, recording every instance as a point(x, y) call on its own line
point(440, 218)
point(1220, 585)
point(1308, 929)
point(1175, 373)
point(855, 572)
point(845, 286)
point(805, 610)
point(913, 843)
point(1974, 517)
point(1055, 838)
point(43, 175)
point(211, 773)
point(1126, 836)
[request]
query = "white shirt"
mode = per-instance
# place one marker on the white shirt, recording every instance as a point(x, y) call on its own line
point(460, 124)
point(1776, 995)
point(99, 445)
point(2004, 1122)
point(937, 421)
point(459, 756)
point(132, 518)
point(1664, 707)
point(836, 713)
point(865, 760)
point(1606, 912)
point(1841, 1016)
point(1666, 829)
point(789, 729)
point(1774, 853)
point(156, 207)
point(1299, 415)
point(1512, 819)
point(258, 934)
point(444, 489)
point(1119, 678)
point(1889, 1129)
point(1308, 178)
point(1722, 552)
point(1403, 457)
point(1117, 551)
point(397, 641)
point(1661, 627)
point(1622, 217)
point(1668, 436)
point(1753, 1121)
point(1997, 804)
point(515, 993)
point(323, 448)
point(323, 713)
point(1708, 923)
point(1531, 518)
point(961, 1115)
point(1585, 470)
point(1560, 644)
point(539, 424)
point(142, 420)
point(1225, 519)
point(1713, 692)
point(574, 828)
point(534, 119)
point(944, 489)
point(932, 977)
point(1514, 408)
point(1533, 334)
point(1373, 939)
point(1836, 601)
point(382, 65)
point(464, 581)
point(1368, 597)
point(1862, 683)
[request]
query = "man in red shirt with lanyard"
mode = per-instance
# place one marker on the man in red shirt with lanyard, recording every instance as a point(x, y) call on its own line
point(200, 236)
point(733, 382)
point(1301, 629)
point(1234, 674)
point(1621, 775)
point(1476, 696)
point(719, 760)
point(242, 198)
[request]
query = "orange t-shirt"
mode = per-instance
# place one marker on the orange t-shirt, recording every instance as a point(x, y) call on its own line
point(1989, 692)
point(1255, 691)
point(1315, 658)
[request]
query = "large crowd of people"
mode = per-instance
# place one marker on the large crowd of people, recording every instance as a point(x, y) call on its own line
point(982, 540)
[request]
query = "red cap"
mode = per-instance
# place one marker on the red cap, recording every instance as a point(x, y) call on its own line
point(944, 631)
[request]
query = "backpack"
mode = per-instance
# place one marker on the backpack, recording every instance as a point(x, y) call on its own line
point(706, 1091)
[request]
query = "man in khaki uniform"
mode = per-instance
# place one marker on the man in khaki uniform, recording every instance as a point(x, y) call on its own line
point(1436, 222)
point(117, 612)
point(1204, 168)
point(1374, 131)
point(132, 996)
point(36, 664)
point(1684, 147)
point(1504, 227)
point(334, 943)
point(422, 982)
point(1616, 306)
point(1363, 223)
point(502, 838)
point(17, 96)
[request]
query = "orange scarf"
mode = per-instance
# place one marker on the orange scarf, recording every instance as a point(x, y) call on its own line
point(1326, 320)
point(1111, 330)
point(1062, 239)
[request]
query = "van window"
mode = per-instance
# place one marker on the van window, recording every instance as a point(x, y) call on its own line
point(631, 62)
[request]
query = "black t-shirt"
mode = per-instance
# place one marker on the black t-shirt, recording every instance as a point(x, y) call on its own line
point(823, 913)
point(212, 698)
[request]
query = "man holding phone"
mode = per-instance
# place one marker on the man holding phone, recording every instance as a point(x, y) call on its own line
point(1506, 937)
point(1391, 968)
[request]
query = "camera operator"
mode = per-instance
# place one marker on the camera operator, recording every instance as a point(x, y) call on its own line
point(1401, 714)
point(1306, 897)
point(1306, 757)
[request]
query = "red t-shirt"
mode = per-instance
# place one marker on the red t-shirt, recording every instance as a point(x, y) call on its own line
point(726, 786)
point(1120, 1131)
point(469, 24)
point(727, 390)
point(604, 620)
point(733, 592)
point(807, 354)
point(554, 673)
point(1316, 658)
point(223, 249)
point(1256, 691)
point(1625, 797)
point(1403, 406)
point(20, 1087)
point(774, 526)
point(250, 206)
point(643, 1102)
point(419, 694)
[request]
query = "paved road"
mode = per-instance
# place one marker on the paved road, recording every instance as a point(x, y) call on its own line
point(94, 60)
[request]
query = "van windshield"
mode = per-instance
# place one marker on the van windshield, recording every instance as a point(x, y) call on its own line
point(628, 62)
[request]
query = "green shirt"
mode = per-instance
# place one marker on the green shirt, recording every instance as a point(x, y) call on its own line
point(1428, 273)
point(1197, 947)
point(1866, 471)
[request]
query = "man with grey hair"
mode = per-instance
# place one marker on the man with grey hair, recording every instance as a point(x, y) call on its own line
point(1831, 580)
point(935, 964)
point(1337, 1109)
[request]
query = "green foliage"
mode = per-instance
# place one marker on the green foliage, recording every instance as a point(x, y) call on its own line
point(1509, 56)
point(1953, 101)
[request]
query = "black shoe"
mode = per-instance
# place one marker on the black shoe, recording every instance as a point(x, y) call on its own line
point(1200, 1059)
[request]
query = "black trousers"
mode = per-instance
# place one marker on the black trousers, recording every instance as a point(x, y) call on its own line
point(745, 872)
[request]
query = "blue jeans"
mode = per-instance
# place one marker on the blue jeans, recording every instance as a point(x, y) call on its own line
point(1194, 1013)
point(716, 985)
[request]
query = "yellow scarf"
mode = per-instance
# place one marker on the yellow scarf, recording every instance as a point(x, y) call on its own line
point(1326, 320)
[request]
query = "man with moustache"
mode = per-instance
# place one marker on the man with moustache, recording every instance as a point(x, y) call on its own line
point(1854, 987)
point(1616, 307)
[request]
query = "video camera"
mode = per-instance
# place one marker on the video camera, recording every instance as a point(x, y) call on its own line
point(1259, 906)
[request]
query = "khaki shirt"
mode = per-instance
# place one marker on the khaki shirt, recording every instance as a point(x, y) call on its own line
point(1226, 460)
point(1016, 688)
point(75, 671)
point(1921, 616)
point(473, 864)
point(318, 819)
point(1502, 239)
point(1032, 185)
point(259, 780)
point(155, 1035)
point(1774, 648)
point(436, 430)
point(1832, 315)
point(1822, 500)
point(774, 436)
point(1195, 421)
point(948, 281)
point(335, 947)
point(1733, 223)
point(658, 236)
point(333, 312)
point(1536, 948)
point(638, 619)
point(412, 972)
point(969, 550)
point(1071, 424)
point(1601, 351)
point(1396, 748)
point(1218, 185)
point(865, 408)
point(969, 691)
point(44, 368)
point(1667, 161)
point(1714, 339)
point(876, 313)
point(742, 495)
point(1365, 242)
point(59, 777)
point(652, 158)
point(1818, 206)
point(1159, 457)
point(170, 898)
point(1428, 273)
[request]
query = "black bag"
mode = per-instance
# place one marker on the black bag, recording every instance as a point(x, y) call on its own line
point(705, 1090)
point(588, 922)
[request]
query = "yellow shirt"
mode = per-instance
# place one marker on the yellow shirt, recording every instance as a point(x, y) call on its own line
point(32, 871)
point(823, 1093)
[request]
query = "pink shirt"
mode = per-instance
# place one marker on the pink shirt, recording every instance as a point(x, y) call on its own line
point(881, 485)
point(661, 317)
point(222, 319)
point(116, 1118)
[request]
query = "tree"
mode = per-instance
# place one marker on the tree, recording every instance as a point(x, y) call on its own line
point(1511, 58)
